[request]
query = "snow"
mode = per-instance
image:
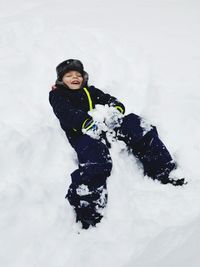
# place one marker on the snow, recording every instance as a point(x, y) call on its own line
point(146, 53)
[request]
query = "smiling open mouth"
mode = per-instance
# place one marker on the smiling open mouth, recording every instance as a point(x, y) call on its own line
point(76, 82)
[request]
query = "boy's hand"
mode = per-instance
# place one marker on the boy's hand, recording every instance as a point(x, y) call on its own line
point(90, 128)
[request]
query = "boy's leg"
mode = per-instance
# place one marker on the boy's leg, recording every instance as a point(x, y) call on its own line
point(146, 145)
point(87, 192)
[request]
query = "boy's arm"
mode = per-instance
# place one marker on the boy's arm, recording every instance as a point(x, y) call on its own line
point(103, 99)
point(69, 116)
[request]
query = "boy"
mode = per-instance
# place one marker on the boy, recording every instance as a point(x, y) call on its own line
point(72, 99)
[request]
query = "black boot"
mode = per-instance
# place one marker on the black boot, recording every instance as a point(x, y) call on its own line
point(165, 178)
point(87, 216)
point(168, 180)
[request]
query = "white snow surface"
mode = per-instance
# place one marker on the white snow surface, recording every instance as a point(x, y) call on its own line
point(144, 52)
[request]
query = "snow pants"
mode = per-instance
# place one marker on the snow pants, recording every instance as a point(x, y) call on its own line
point(87, 192)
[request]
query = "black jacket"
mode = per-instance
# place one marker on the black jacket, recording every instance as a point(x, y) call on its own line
point(71, 107)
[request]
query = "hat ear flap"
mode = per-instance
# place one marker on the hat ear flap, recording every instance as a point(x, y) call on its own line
point(85, 78)
point(58, 82)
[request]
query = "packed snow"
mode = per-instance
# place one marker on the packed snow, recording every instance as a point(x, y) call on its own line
point(144, 52)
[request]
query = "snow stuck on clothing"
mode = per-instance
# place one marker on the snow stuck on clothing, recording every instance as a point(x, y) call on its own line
point(146, 53)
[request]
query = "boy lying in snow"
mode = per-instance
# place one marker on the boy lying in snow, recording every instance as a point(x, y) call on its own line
point(72, 99)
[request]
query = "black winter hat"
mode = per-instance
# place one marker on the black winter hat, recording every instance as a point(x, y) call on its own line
point(67, 65)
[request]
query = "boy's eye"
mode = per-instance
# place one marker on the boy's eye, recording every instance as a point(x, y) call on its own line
point(68, 75)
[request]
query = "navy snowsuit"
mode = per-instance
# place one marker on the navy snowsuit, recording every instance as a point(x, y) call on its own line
point(87, 192)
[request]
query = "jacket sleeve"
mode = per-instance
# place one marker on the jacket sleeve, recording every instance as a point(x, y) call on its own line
point(69, 116)
point(103, 99)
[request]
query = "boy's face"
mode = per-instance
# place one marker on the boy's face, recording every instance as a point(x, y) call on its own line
point(73, 79)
